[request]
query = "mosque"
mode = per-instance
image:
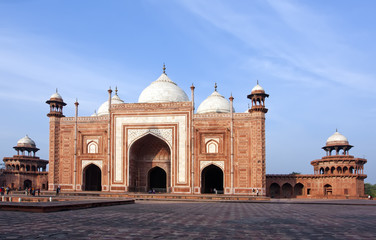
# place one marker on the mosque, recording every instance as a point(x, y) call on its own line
point(162, 143)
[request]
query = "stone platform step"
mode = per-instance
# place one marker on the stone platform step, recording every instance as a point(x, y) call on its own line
point(60, 205)
point(168, 196)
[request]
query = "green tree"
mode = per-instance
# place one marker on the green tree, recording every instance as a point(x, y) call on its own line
point(370, 189)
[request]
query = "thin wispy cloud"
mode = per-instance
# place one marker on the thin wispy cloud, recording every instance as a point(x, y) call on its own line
point(288, 32)
point(39, 65)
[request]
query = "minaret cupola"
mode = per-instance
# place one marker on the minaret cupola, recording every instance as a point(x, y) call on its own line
point(56, 105)
point(257, 97)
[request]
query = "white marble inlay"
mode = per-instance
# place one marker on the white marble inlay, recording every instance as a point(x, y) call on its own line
point(204, 164)
point(98, 163)
point(134, 134)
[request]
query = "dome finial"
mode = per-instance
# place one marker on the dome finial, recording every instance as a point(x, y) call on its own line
point(257, 82)
point(336, 130)
point(116, 90)
point(215, 87)
point(164, 68)
point(56, 90)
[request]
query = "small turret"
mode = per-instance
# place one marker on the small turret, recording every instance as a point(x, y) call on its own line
point(56, 105)
point(257, 97)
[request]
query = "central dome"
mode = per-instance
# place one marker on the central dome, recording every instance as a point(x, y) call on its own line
point(163, 90)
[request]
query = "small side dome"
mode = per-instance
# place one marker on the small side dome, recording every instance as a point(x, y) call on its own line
point(163, 90)
point(337, 139)
point(215, 103)
point(26, 142)
point(103, 109)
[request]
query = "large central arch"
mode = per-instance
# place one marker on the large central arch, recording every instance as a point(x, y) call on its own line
point(212, 179)
point(145, 155)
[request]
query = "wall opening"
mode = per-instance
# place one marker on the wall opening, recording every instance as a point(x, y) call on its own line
point(212, 179)
point(328, 190)
point(275, 190)
point(92, 178)
point(27, 184)
point(298, 189)
point(157, 180)
point(287, 190)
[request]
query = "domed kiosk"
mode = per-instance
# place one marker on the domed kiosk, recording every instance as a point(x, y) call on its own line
point(25, 170)
point(338, 175)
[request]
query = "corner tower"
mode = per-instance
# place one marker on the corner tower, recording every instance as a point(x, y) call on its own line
point(56, 113)
point(257, 111)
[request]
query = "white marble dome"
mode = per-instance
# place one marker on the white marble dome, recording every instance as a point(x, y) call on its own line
point(215, 103)
point(163, 90)
point(26, 142)
point(337, 138)
point(103, 109)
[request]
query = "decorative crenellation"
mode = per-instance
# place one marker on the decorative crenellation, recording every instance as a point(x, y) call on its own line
point(212, 115)
point(85, 119)
point(151, 105)
point(134, 134)
point(204, 164)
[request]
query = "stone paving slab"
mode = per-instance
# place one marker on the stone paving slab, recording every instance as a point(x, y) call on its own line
point(195, 220)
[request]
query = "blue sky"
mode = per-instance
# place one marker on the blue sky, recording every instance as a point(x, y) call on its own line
point(314, 58)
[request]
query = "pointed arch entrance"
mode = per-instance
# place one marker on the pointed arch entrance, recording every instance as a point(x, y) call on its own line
point(149, 164)
point(92, 178)
point(212, 179)
point(275, 190)
point(27, 184)
point(287, 190)
point(157, 179)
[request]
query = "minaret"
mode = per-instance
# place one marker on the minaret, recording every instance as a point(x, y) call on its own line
point(56, 113)
point(257, 111)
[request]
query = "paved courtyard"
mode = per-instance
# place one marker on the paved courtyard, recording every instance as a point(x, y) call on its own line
point(183, 220)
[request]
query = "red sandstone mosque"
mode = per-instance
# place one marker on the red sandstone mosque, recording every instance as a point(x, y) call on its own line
point(161, 143)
